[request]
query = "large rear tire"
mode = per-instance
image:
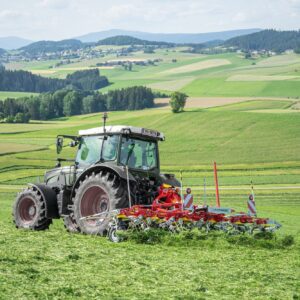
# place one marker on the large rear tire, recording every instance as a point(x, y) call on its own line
point(29, 210)
point(98, 194)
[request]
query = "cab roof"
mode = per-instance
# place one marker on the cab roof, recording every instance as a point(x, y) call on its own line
point(137, 131)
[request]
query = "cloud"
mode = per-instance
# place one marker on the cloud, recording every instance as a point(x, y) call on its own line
point(58, 19)
point(239, 17)
point(6, 13)
point(54, 4)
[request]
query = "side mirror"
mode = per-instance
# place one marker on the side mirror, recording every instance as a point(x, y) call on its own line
point(59, 144)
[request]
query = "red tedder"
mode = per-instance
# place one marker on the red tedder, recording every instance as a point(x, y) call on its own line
point(166, 212)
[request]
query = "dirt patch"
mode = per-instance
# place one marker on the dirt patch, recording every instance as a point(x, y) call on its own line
point(201, 65)
point(171, 85)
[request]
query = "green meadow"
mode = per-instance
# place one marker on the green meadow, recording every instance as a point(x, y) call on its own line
point(254, 141)
point(248, 145)
point(222, 75)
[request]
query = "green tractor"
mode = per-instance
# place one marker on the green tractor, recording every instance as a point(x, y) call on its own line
point(115, 167)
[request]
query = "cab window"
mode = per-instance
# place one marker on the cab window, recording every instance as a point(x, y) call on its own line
point(138, 154)
point(89, 150)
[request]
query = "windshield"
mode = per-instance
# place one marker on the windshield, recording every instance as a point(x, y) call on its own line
point(89, 150)
point(138, 154)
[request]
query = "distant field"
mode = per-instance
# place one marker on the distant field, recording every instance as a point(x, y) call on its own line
point(225, 103)
point(171, 85)
point(256, 105)
point(243, 77)
point(220, 87)
point(206, 64)
point(228, 134)
point(4, 94)
point(219, 75)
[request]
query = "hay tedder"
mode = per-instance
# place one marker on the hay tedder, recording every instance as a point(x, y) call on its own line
point(113, 184)
point(167, 212)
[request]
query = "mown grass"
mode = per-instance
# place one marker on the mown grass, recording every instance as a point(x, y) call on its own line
point(255, 105)
point(58, 265)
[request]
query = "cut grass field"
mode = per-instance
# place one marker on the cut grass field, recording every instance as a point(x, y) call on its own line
point(6, 148)
point(58, 265)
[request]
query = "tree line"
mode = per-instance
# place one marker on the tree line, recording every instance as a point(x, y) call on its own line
point(23, 81)
point(66, 102)
point(277, 41)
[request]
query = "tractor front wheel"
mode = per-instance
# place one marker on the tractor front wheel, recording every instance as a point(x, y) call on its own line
point(29, 210)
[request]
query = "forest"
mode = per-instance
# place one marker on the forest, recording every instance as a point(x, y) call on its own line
point(273, 40)
point(67, 102)
point(24, 81)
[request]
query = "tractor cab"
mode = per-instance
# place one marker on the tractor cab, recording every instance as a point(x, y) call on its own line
point(129, 146)
point(118, 146)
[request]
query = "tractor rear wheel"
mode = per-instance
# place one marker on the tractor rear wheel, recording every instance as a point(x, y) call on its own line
point(97, 196)
point(29, 210)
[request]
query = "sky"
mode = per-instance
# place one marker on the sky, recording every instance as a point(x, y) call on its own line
point(60, 19)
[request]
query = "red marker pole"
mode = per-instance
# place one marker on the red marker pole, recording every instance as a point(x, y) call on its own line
point(217, 185)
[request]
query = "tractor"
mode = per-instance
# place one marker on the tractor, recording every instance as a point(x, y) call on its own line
point(115, 167)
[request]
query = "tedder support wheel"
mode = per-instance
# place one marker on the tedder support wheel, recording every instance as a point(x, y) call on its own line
point(113, 235)
point(29, 210)
point(98, 194)
point(70, 224)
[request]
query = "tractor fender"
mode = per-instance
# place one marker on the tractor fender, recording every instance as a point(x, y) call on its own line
point(117, 170)
point(50, 199)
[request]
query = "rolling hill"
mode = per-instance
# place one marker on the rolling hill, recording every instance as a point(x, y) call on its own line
point(13, 42)
point(179, 38)
point(52, 46)
point(122, 40)
point(270, 39)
